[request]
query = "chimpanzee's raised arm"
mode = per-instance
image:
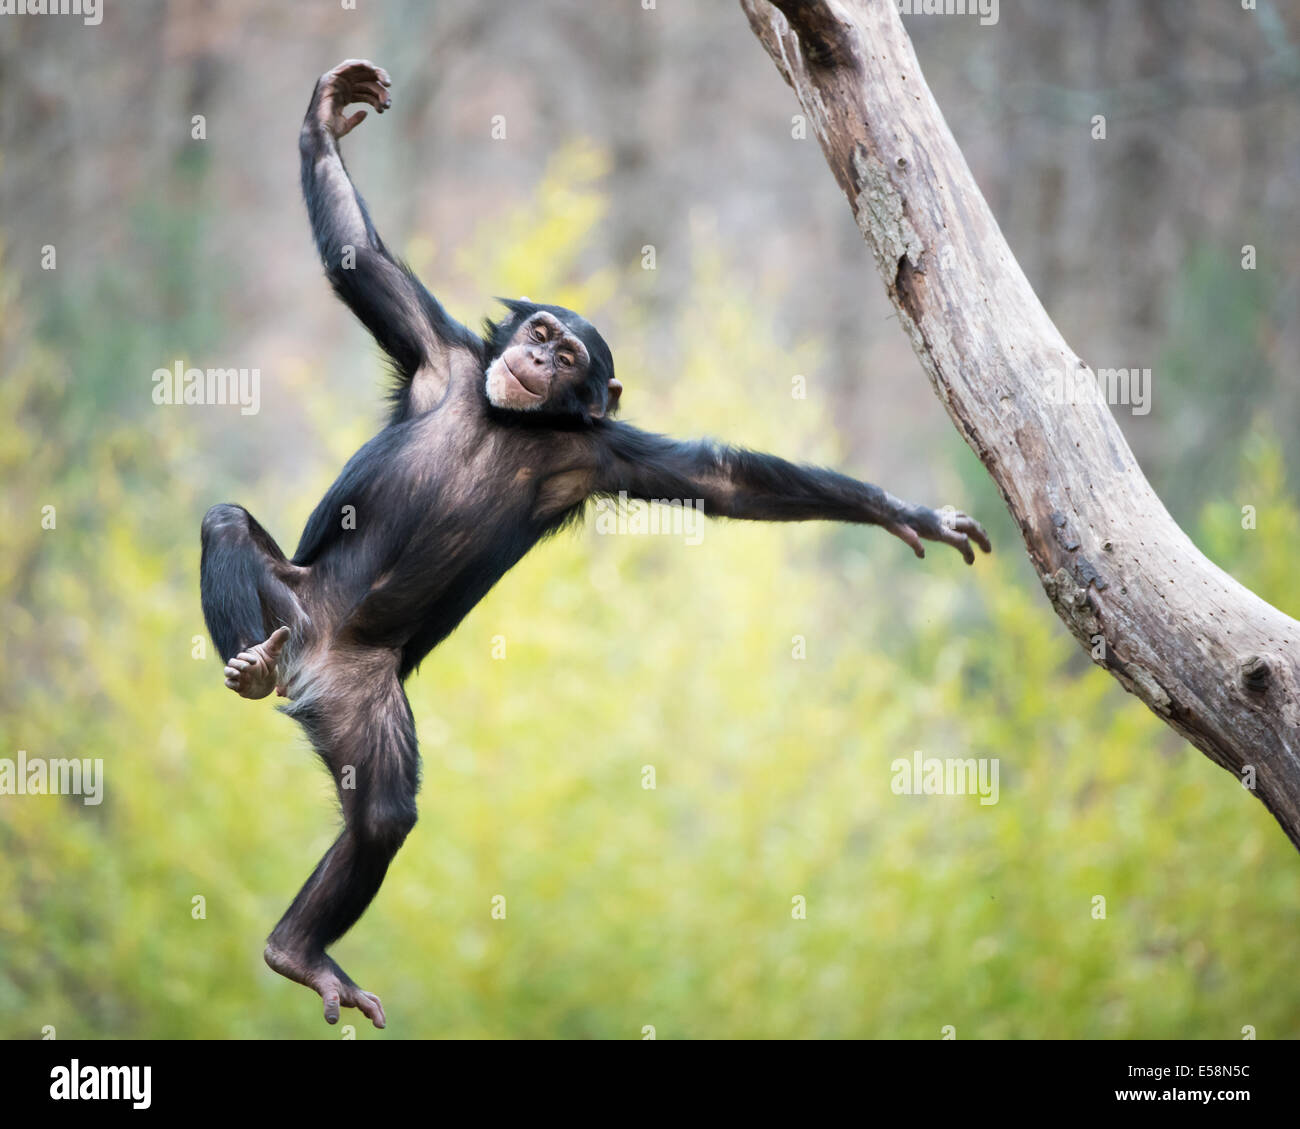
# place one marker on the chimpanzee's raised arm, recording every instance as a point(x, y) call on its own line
point(408, 322)
point(736, 483)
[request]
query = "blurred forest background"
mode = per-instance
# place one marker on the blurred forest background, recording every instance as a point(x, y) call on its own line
point(629, 907)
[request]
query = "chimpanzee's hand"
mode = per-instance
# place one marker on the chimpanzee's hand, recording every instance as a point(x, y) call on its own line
point(950, 526)
point(353, 80)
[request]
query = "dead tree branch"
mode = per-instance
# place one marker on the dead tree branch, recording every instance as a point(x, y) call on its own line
point(1207, 655)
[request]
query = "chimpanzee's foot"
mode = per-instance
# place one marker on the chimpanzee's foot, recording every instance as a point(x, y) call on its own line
point(323, 975)
point(251, 673)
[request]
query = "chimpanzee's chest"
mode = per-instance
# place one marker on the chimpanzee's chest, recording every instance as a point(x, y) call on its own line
point(466, 470)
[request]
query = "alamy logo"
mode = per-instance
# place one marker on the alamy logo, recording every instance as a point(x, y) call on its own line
point(89, 10)
point(102, 1083)
point(987, 10)
point(36, 776)
point(660, 516)
point(1130, 387)
point(179, 385)
point(931, 776)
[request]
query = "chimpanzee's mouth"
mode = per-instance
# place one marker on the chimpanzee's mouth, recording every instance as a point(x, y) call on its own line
point(527, 391)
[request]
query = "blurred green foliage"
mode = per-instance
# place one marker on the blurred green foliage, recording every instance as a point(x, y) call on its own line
point(1216, 365)
point(625, 906)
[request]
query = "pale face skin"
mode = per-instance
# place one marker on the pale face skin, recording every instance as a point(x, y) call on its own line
point(541, 353)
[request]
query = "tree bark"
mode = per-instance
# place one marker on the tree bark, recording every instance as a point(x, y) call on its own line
point(1207, 655)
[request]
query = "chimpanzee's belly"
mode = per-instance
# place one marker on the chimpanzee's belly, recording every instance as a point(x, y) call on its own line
point(444, 571)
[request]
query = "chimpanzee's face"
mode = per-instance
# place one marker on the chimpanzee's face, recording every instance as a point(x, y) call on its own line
point(544, 365)
point(550, 361)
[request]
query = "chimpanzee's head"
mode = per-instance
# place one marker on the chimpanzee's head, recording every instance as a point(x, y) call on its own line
point(548, 359)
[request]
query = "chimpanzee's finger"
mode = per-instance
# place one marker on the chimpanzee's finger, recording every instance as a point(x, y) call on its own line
point(349, 124)
point(970, 526)
point(372, 93)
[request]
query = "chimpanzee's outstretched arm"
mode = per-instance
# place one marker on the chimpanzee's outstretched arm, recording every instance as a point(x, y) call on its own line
point(736, 483)
point(408, 322)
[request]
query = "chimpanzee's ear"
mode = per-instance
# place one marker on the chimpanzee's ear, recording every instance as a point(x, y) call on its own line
point(615, 389)
point(611, 401)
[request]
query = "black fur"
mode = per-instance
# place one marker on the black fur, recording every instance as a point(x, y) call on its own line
point(427, 516)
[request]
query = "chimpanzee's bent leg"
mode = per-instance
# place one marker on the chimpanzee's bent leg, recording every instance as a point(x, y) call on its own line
point(357, 717)
point(248, 603)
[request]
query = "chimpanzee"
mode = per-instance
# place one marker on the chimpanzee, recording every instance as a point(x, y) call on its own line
point(493, 443)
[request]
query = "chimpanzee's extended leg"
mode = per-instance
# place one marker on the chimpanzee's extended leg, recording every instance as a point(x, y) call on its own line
point(248, 599)
point(353, 709)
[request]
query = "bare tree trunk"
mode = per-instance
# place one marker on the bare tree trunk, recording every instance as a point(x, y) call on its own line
point(1207, 655)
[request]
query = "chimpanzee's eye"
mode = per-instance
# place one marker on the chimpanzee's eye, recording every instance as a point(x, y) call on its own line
point(566, 359)
point(539, 332)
